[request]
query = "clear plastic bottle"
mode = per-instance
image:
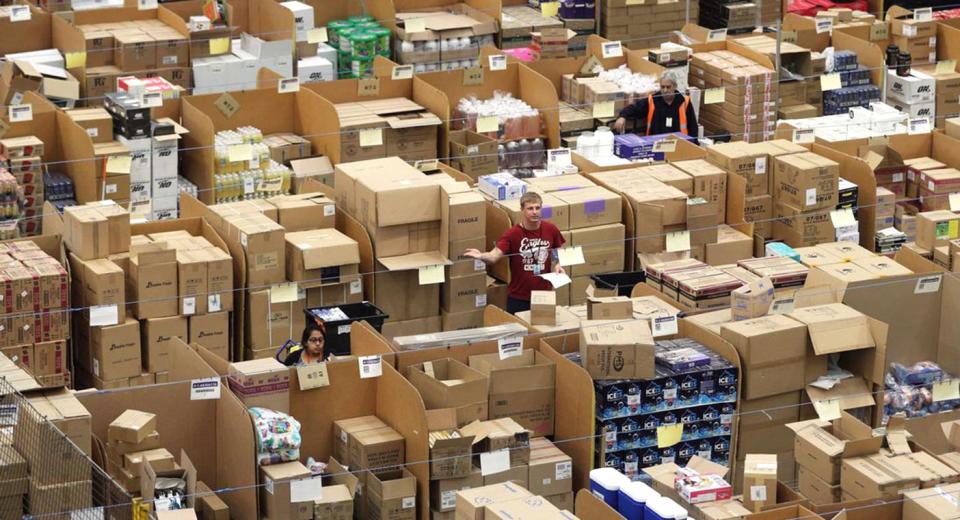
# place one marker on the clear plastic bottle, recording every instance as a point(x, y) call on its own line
point(604, 142)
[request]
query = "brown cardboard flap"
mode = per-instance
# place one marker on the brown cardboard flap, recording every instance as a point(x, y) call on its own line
point(836, 328)
point(311, 166)
point(951, 430)
point(706, 467)
point(441, 419)
point(852, 393)
point(414, 261)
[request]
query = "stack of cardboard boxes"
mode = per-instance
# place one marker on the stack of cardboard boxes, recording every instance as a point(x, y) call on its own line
point(377, 451)
point(34, 313)
point(132, 438)
point(646, 24)
point(750, 92)
point(914, 94)
point(66, 485)
point(798, 98)
point(463, 226)
point(917, 37)
point(947, 99)
point(804, 191)
point(22, 157)
point(411, 135)
point(517, 22)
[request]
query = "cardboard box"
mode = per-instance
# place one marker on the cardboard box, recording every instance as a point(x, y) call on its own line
point(160, 459)
point(937, 228)
point(212, 331)
point(499, 434)
point(806, 181)
point(450, 457)
point(924, 505)
point(211, 506)
point(219, 293)
point(759, 481)
point(132, 426)
point(391, 495)
point(261, 382)
point(336, 503)
point(152, 281)
point(742, 160)
point(192, 283)
point(820, 447)
point(835, 328)
point(156, 336)
point(86, 232)
point(609, 308)
point(376, 448)
point(551, 470)
point(752, 300)
point(617, 350)
point(464, 293)
point(322, 256)
point(874, 477)
point(521, 387)
point(115, 350)
point(344, 429)
point(473, 154)
point(472, 504)
point(269, 325)
point(304, 212)
point(451, 385)
point(443, 493)
point(591, 207)
point(543, 306)
point(103, 282)
point(275, 491)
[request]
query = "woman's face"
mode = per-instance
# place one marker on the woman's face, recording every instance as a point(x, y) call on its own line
point(315, 343)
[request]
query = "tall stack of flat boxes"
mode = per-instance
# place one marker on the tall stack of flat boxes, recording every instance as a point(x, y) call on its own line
point(657, 206)
point(53, 487)
point(947, 98)
point(400, 207)
point(463, 226)
point(749, 112)
point(643, 24)
point(798, 98)
point(34, 312)
point(918, 37)
point(805, 190)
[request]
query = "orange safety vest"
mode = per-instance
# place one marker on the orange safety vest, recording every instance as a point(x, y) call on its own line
point(683, 113)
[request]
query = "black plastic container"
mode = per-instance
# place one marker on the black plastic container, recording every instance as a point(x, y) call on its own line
point(621, 282)
point(337, 336)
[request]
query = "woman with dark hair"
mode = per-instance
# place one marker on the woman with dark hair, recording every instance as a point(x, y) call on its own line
point(310, 350)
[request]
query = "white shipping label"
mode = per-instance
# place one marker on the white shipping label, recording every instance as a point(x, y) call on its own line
point(761, 165)
point(481, 300)
point(665, 326)
point(928, 284)
point(370, 366)
point(268, 484)
point(408, 503)
point(205, 388)
point(479, 265)
point(355, 287)
point(493, 462)
point(306, 490)
point(758, 493)
point(343, 329)
point(810, 196)
point(104, 315)
point(329, 210)
point(564, 471)
point(510, 347)
point(189, 306)
point(448, 500)
point(213, 303)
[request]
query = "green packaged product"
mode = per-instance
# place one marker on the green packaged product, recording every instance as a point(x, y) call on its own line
point(362, 67)
point(363, 44)
point(333, 31)
point(383, 40)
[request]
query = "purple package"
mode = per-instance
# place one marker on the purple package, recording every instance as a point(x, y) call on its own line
point(594, 206)
point(630, 147)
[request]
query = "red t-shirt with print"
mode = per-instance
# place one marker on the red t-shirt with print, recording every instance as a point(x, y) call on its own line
point(530, 255)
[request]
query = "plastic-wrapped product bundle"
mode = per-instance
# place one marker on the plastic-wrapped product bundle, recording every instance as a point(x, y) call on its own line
point(278, 436)
point(909, 390)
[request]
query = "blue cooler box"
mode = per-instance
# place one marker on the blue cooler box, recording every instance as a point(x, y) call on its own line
point(663, 508)
point(605, 483)
point(633, 498)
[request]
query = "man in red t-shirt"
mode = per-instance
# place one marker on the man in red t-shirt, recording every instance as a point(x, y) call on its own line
point(531, 246)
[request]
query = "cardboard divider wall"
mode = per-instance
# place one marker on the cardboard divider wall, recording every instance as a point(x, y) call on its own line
point(217, 435)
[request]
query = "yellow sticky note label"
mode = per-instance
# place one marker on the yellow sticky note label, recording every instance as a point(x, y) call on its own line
point(946, 390)
point(119, 164)
point(549, 8)
point(570, 256)
point(318, 35)
point(283, 292)
point(219, 45)
point(240, 153)
point(431, 274)
point(828, 410)
point(76, 59)
point(830, 82)
point(313, 376)
point(669, 435)
point(946, 66)
point(414, 25)
point(488, 124)
point(678, 241)
point(953, 229)
point(714, 95)
point(635, 2)
point(371, 137)
point(955, 202)
point(603, 109)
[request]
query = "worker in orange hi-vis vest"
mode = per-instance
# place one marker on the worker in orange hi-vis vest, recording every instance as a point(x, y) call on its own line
point(662, 112)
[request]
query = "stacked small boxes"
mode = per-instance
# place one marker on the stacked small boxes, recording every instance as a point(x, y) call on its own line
point(463, 226)
point(803, 184)
point(20, 160)
point(693, 386)
point(34, 317)
point(947, 88)
point(14, 485)
point(132, 438)
point(855, 91)
point(451, 463)
point(624, 20)
point(153, 148)
point(914, 94)
point(454, 42)
point(693, 283)
point(749, 112)
point(519, 21)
